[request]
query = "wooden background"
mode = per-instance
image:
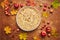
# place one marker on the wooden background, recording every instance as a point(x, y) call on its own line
point(10, 20)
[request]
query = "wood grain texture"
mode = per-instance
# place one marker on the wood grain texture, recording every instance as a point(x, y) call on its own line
point(10, 20)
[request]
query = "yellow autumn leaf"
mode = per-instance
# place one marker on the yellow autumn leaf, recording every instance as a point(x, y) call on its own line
point(23, 36)
point(35, 38)
point(2, 4)
point(45, 14)
point(54, 31)
point(7, 30)
point(13, 12)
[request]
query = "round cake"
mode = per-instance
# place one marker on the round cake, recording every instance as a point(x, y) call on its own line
point(28, 18)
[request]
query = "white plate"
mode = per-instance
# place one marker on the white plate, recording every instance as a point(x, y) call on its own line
point(27, 17)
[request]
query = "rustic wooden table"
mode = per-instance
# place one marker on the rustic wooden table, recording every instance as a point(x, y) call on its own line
point(10, 20)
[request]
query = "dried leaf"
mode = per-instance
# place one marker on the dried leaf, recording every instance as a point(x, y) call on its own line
point(54, 32)
point(45, 14)
point(2, 4)
point(35, 38)
point(22, 36)
point(55, 4)
point(13, 12)
point(7, 30)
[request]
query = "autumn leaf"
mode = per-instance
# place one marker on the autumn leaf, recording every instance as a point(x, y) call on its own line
point(7, 30)
point(13, 12)
point(22, 36)
point(54, 32)
point(2, 4)
point(45, 14)
point(55, 4)
point(34, 38)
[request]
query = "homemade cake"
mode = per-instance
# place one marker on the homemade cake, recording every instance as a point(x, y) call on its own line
point(28, 18)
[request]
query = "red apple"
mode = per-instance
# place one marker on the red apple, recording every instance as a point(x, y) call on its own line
point(44, 9)
point(48, 29)
point(21, 5)
point(16, 5)
point(43, 33)
point(28, 4)
point(45, 4)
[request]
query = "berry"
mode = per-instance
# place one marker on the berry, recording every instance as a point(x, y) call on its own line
point(28, 4)
point(51, 6)
point(48, 23)
point(32, 4)
point(41, 5)
point(48, 7)
point(49, 35)
point(44, 25)
point(7, 8)
point(51, 11)
point(21, 5)
point(43, 33)
point(7, 13)
point(44, 9)
point(45, 5)
point(48, 29)
point(16, 5)
point(17, 29)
